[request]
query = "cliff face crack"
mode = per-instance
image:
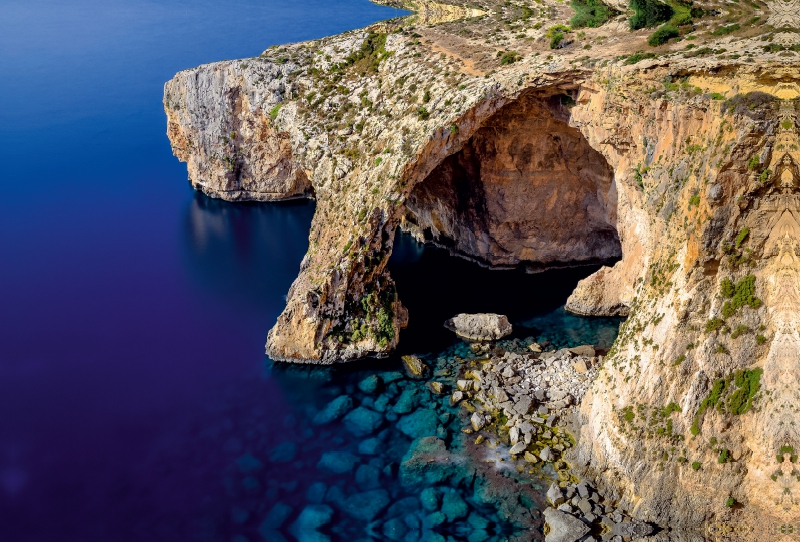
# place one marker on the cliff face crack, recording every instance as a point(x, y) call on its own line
point(525, 189)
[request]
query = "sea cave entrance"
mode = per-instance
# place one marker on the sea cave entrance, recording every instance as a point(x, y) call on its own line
point(525, 190)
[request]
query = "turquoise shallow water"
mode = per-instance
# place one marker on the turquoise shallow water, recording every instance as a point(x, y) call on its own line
point(364, 452)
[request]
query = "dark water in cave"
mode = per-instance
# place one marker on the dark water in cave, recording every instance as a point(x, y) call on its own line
point(135, 399)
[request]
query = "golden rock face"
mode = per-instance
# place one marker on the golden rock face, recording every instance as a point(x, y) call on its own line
point(501, 130)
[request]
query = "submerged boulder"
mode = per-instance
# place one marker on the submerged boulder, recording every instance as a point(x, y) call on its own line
point(334, 410)
point(362, 421)
point(313, 517)
point(479, 327)
point(367, 505)
point(337, 462)
point(427, 462)
point(422, 423)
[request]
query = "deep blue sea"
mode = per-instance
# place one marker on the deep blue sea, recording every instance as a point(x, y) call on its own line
point(136, 403)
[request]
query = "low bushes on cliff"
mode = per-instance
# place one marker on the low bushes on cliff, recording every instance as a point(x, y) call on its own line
point(366, 59)
point(590, 13)
point(663, 35)
point(733, 394)
point(649, 13)
point(557, 34)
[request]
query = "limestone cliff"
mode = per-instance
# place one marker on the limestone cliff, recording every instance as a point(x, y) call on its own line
point(515, 140)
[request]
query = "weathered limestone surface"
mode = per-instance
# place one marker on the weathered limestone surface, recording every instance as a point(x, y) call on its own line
point(479, 327)
point(686, 166)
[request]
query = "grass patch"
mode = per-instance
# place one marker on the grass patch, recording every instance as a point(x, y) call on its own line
point(638, 57)
point(273, 113)
point(725, 30)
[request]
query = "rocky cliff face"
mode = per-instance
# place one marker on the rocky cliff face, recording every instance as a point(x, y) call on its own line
point(477, 135)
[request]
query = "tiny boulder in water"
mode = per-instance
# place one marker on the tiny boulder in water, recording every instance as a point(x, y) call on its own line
point(362, 421)
point(334, 410)
point(415, 367)
point(370, 384)
point(479, 327)
point(313, 517)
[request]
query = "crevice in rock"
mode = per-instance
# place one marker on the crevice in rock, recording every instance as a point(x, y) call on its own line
point(525, 190)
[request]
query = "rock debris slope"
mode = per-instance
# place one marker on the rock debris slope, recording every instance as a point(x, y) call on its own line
point(517, 140)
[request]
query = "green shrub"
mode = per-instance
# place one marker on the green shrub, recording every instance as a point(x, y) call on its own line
point(590, 13)
point(744, 295)
point(748, 382)
point(662, 35)
point(731, 502)
point(273, 113)
point(371, 53)
point(696, 465)
point(754, 162)
point(638, 57)
point(760, 339)
point(725, 30)
point(742, 236)
point(714, 324)
point(727, 288)
point(649, 13)
point(713, 399)
point(680, 359)
point(423, 113)
point(628, 414)
point(510, 57)
point(741, 329)
point(669, 409)
point(556, 35)
point(724, 456)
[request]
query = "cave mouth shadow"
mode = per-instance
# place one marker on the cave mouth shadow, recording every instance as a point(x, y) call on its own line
point(434, 286)
point(525, 190)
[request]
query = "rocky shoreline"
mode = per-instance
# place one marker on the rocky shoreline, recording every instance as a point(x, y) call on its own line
point(525, 401)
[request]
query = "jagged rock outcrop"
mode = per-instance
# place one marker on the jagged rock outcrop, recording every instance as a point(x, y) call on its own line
point(515, 142)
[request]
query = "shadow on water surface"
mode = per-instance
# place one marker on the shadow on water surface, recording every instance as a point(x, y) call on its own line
point(239, 252)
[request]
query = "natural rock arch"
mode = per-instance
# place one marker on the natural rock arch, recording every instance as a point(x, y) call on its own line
point(525, 189)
